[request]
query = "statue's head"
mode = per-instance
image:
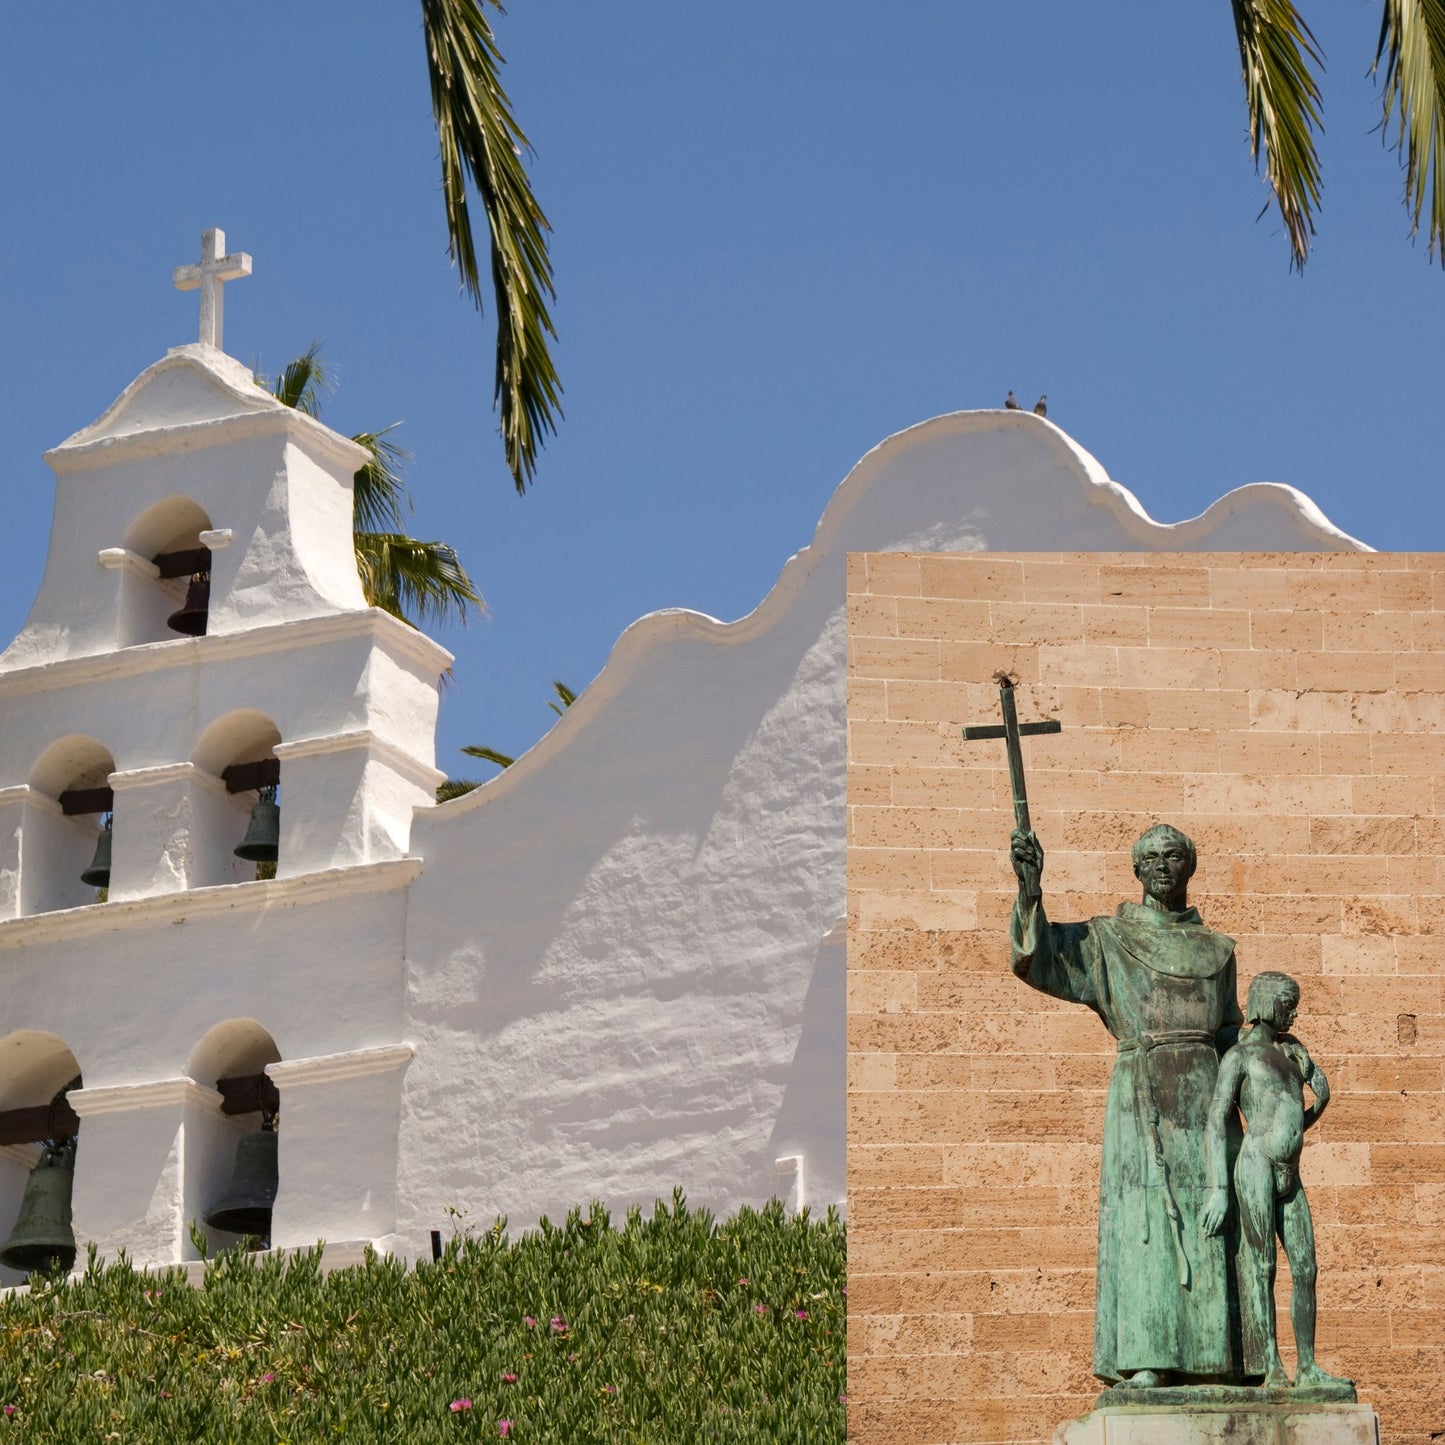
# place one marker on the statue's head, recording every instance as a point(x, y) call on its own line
point(1273, 999)
point(1164, 862)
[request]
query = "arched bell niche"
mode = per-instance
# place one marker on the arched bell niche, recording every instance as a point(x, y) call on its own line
point(34, 1068)
point(239, 750)
point(231, 1057)
point(61, 828)
point(166, 536)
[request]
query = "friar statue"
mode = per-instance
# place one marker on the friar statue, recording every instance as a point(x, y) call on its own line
point(1164, 986)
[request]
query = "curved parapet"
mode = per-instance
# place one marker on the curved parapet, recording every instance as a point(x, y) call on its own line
point(645, 982)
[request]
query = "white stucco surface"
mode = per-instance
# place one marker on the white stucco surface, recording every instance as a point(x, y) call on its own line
point(617, 968)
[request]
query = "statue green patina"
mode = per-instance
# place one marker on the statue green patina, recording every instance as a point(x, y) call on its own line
point(1164, 985)
point(1265, 1075)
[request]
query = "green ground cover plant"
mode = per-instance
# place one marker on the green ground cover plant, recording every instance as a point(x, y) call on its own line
point(672, 1329)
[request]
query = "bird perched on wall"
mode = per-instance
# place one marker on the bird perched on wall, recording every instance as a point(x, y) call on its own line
point(1041, 406)
point(1011, 403)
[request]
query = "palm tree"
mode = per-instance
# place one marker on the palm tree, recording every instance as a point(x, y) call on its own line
point(455, 787)
point(1278, 55)
point(414, 581)
point(481, 140)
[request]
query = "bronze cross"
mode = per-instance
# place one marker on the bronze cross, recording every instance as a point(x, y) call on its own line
point(1011, 732)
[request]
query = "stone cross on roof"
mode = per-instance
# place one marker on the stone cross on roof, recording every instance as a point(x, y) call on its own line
point(214, 270)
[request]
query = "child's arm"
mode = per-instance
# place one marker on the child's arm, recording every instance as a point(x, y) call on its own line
point(1216, 1140)
point(1314, 1076)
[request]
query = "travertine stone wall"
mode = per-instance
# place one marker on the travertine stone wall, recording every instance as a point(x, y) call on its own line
point(1284, 709)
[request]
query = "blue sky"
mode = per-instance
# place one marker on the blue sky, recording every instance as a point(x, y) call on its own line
point(783, 229)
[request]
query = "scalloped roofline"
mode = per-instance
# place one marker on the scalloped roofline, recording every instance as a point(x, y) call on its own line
point(233, 380)
point(669, 624)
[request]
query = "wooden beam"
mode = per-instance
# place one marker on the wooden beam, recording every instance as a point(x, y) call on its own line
point(183, 564)
point(247, 777)
point(248, 1094)
point(35, 1125)
point(74, 801)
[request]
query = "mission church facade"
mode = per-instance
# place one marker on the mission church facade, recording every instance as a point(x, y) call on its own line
point(617, 968)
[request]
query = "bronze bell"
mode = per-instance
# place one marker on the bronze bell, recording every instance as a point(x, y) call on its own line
point(246, 1206)
point(42, 1235)
point(191, 619)
point(98, 874)
point(262, 843)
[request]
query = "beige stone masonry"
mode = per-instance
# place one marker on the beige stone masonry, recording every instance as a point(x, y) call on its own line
point(1288, 711)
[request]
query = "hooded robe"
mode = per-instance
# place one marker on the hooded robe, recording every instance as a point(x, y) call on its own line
point(1164, 985)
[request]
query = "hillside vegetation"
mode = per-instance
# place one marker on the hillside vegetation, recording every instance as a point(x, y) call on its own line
point(670, 1330)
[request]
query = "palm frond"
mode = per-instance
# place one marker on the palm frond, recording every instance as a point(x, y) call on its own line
point(491, 755)
point(414, 581)
point(481, 139)
point(380, 501)
point(304, 380)
point(565, 696)
point(1412, 45)
point(456, 788)
point(1276, 50)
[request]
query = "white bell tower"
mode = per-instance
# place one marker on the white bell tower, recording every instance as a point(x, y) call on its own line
point(201, 632)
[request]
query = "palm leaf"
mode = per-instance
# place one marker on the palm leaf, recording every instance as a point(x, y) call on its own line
point(1412, 45)
point(414, 581)
point(380, 501)
point(481, 139)
point(1276, 50)
point(456, 788)
point(303, 381)
point(491, 755)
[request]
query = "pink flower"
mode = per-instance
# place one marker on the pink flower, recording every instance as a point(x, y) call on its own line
point(10, 1409)
point(504, 1428)
point(745, 1281)
point(800, 1314)
point(509, 1379)
point(609, 1389)
point(267, 1377)
point(842, 1399)
point(458, 1405)
point(530, 1323)
point(559, 1325)
point(760, 1309)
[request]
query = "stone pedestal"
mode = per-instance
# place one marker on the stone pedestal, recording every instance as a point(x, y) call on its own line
point(1226, 1423)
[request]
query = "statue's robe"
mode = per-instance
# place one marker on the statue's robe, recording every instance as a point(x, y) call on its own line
point(1164, 985)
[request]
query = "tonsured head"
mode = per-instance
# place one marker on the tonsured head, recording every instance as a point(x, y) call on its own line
point(1273, 999)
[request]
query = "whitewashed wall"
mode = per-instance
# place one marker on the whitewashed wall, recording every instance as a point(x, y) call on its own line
point(624, 970)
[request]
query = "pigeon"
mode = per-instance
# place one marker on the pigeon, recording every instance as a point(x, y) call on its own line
point(1011, 403)
point(1041, 406)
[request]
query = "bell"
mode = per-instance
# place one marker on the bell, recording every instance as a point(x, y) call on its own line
point(42, 1235)
point(98, 874)
point(262, 843)
point(246, 1207)
point(191, 619)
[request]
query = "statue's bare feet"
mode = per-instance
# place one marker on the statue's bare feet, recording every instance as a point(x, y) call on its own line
point(1277, 1378)
point(1311, 1374)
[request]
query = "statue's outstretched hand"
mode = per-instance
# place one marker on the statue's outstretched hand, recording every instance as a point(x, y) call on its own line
point(1028, 860)
point(1215, 1211)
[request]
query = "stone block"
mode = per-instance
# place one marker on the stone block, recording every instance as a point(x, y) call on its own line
point(1230, 1424)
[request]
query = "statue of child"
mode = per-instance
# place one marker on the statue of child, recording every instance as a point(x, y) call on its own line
point(1265, 1074)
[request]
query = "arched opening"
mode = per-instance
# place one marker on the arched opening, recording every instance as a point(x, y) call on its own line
point(35, 1068)
point(239, 749)
point(232, 1058)
point(59, 843)
point(174, 601)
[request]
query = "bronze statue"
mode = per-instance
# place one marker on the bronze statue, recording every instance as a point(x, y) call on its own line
point(1164, 985)
point(1265, 1074)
